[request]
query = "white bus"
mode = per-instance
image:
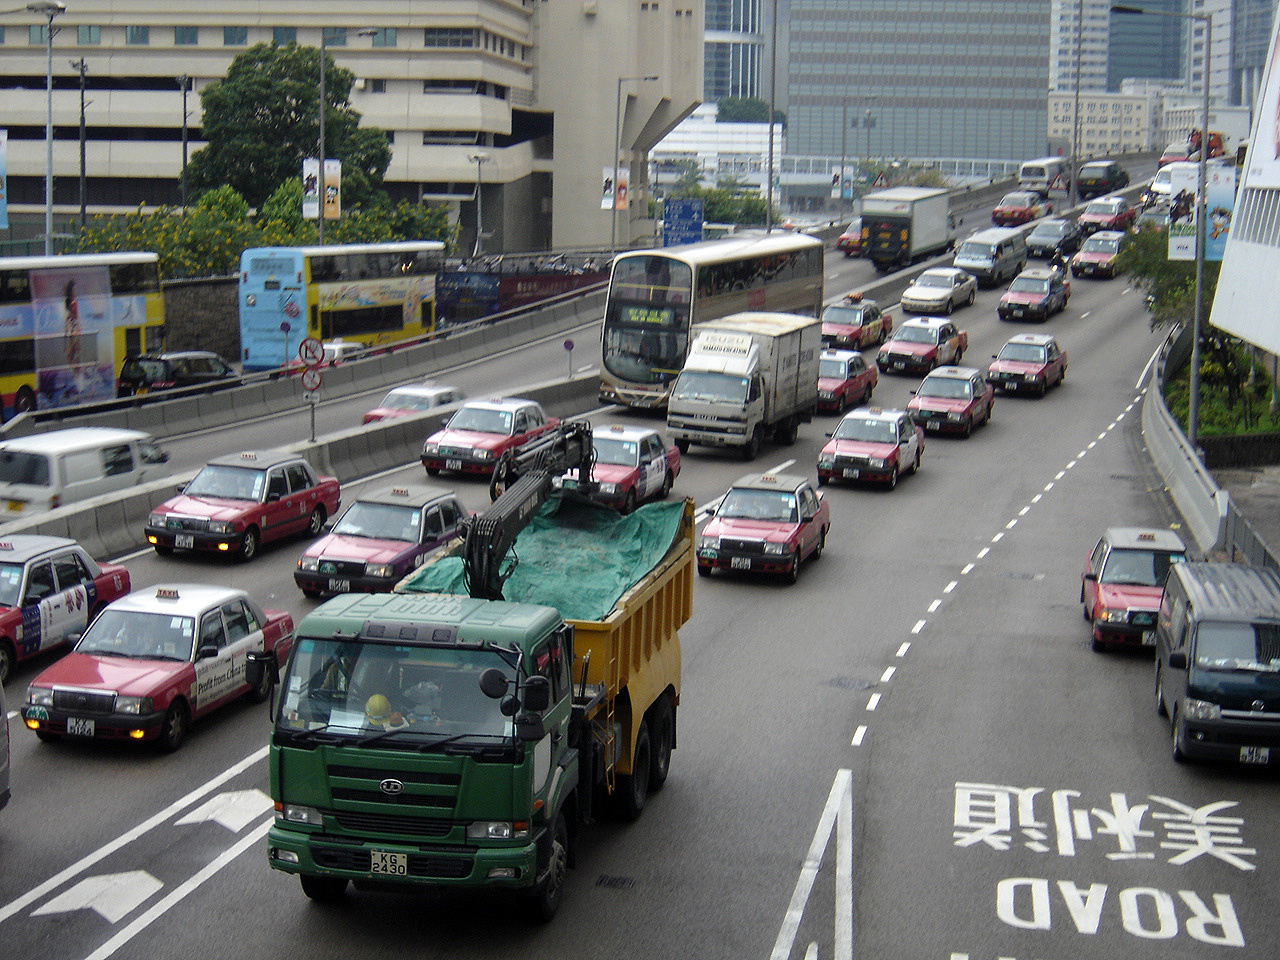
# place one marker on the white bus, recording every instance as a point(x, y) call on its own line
point(655, 295)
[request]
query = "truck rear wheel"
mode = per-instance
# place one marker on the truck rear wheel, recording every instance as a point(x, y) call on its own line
point(323, 889)
point(545, 900)
point(664, 735)
point(633, 790)
point(787, 431)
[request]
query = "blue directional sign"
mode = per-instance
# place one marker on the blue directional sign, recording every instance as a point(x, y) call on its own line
point(681, 220)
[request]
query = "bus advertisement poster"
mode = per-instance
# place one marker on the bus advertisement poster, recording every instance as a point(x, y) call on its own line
point(410, 290)
point(73, 328)
point(463, 296)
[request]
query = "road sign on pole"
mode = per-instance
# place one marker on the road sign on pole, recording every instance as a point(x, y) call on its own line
point(311, 352)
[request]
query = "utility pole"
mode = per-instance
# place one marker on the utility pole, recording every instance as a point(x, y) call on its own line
point(184, 82)
point(82, 68)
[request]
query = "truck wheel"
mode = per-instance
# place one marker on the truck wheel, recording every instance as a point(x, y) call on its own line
point(751, 449)
point(664, 736)
point(787, 431)
point(323, 889)
point(633, 790)
point(545, 899)
point(682, 446)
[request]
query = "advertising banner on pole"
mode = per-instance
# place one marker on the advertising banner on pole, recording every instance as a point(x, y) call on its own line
point(4, 179)
point(1182, 212)
point(1220, 202)
point(614, 196)
point(842, 183)
point(332, 189)
point(606, 196)
point(310, 188)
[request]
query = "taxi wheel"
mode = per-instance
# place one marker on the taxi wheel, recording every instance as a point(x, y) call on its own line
point(431, 472)
point(667, 482)
point(260, 693)
point(173, 730)
point(633, 790)
point(973, 295)
point(704, 569)
point(968, 428)
point(682, 446)
point(792, 573)
point(45, 736)
point(822, 545)
point(842, 403)
point(248, 546)
point(324, 889)
point(893, 477)
point(1178, 737)
point(951, 305)
point(7, 658)
point(629, 505)
point(162, 550)
point(317, 522)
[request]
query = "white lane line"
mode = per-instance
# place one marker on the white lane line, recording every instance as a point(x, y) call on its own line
point(933, 607)
point(965, 569)
point(1048, 486)
point(1036, 498)
point(859, 735)
point(840, 793)
point(1085, 314)
point(13, 906)
point(1060, 474)
point(998, 537)
point(1024, 511)
point(951, 586)
point(888, 674)
point(983, 552)
point(781, 467)
point(182, 891)
point(1011, 524)
point(918, 627)
point(873, 701)
point(902, 650)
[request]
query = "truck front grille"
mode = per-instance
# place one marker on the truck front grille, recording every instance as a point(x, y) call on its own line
point(391, 823)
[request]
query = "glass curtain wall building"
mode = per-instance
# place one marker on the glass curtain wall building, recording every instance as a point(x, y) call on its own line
point(735, 41)
point(1151, 48)
point(941, 78)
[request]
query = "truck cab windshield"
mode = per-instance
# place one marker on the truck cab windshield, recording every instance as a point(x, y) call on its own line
point(355, 689)
point(710, 387)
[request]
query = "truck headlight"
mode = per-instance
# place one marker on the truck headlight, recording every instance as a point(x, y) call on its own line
point(134, 706)
point(309, 564)
point(498, 830)
point(1200, 710)
point(295, 813)
point(39, 697)
point(380, 570)
point(430, 449)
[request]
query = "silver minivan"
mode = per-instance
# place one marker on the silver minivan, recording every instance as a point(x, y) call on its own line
point(49, 470)
point(993, 255)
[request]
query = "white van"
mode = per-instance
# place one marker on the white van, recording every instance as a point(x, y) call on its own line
point(993, 255)
point(1043, 174)
point(49, 470)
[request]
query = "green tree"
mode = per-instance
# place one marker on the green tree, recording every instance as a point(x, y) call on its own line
point(746, 110)
point(1169, 284)
point(261, 120)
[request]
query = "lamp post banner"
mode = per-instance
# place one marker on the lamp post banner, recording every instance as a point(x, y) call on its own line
point(310, 188)
point(1220, 201)
point(1183, 210)
point(332, 189)
point(4, 180)
point(606, 195)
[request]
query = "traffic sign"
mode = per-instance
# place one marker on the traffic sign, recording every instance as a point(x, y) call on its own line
point(310, 379)
point(311, 352)
point(681, 220)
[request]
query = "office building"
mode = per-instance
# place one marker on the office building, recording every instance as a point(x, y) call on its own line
point(735, 46)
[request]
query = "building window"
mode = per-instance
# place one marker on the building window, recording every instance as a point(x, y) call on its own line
point(38, 34)
point(186, 36)
point(449, 37)
point(137, 36)
point(335, 36)
point(384, 37)
point(378, 85)
point(235, 36)
point(1, 33)
point(283, 36)
point(88, 35)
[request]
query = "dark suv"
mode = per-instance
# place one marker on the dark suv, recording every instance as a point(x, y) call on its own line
point(1100, 177)
point(164, 371)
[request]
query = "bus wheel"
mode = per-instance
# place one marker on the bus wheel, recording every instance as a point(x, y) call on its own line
point(25, 401)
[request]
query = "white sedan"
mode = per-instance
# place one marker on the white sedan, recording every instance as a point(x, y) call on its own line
point(940, 290)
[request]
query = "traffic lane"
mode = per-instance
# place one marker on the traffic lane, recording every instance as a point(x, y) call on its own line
point(1020, 704)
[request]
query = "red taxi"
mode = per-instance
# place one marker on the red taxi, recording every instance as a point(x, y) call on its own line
point(1123, 581)
point(952, 400)
point(50, 589)
point(854, 322)
point(850, 242)
point(381, 538)
point(240, 501)
point(872, 444)
point(844, 380)
point(765, 523)
point(154, 661)
point(921, 344)
point(481, 431)
point(633, 464)
point(1107, 213)
point(1021, 206)
point(1097, 257)
point(413, 398)
point(1028, 363)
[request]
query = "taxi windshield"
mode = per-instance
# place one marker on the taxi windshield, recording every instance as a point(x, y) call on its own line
point(625, 453)
point(1018, 200)
point(227, 483)
point(1100, 245)
point(867, 429)
point(1139, 568)
point(482, 420)
point(141, 635)
point(350, 688)
point(948, 388)
point(743, 503)
point(1106, 207)
point(833, 369)
point(1024, 352)
point(843, 313)
point(380, 521)
point(10, 583)
point(1247, 647)
point(908, 334)
point(1029, 285)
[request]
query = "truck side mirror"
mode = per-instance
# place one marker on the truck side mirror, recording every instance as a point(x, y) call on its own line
point(493, 683)
point(530, 728)
point(1177, 660)
point(537, 694)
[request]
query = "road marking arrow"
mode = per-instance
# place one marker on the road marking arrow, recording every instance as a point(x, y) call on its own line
point(235, 809)
point(112, 896)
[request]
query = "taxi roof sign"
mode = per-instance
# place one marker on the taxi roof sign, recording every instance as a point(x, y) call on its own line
point(399, 491)
point(248, 455)
point(6, 545)
point(166, 593)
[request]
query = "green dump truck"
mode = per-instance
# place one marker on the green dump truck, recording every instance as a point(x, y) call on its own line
point(427, 738)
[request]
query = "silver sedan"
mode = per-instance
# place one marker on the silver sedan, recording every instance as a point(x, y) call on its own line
point(940, 290)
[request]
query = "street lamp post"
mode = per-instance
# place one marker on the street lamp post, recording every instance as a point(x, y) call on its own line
point(868, 122)
point(1073, 189)
point(844, 147)
point(184, 82)
point(617, 149)
point(82, 68)
point(1197, 323)
point(50, 9)
point(479, 159)
point(320, 216)
point(773, 87)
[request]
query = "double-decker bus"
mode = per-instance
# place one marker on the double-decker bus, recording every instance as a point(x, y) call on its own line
point(368, 293)
point(68, 322)
point(656, 295)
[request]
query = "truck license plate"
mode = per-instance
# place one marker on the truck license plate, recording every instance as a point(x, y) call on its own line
point(1255, 754)
point(386, 862)
point(453, 464)
point(15, 506)
point(184, 541)
point(79, 727)
point(339, 586)
point(740, 563)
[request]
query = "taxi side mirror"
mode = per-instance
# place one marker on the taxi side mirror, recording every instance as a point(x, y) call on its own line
point(206, 652)
point(1091, 577)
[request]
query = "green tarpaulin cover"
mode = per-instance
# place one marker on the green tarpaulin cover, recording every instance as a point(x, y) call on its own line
point(576, 556)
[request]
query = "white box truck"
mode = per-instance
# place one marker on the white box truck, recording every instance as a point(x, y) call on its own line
point(746, 375)
point(905, 224)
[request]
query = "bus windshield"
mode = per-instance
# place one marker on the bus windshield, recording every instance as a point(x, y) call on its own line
point(647, 320)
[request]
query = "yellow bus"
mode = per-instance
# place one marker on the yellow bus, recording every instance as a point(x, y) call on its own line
point(656, 295)
point(67, 323)
point(366, 293)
